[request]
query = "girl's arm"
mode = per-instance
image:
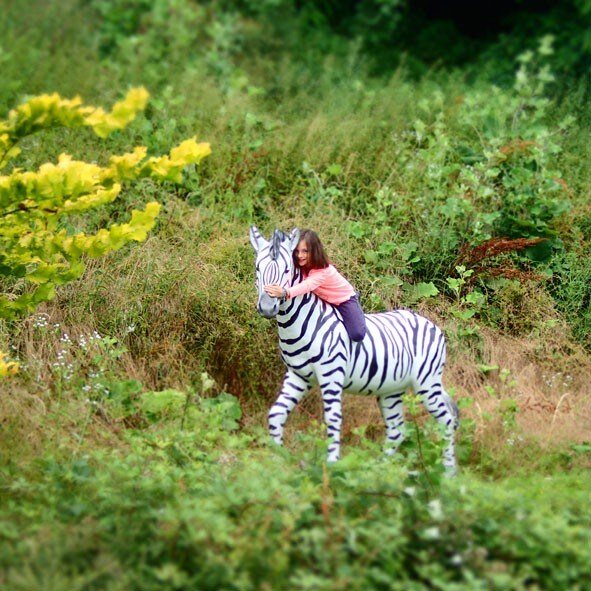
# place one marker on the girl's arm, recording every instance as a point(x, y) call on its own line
point(275, 290)
point(316, 278)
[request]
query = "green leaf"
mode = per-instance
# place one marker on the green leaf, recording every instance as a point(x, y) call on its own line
point(487, 368)
point(541, 251)
point(420, 291)
point(334, 170)
point(391, 281)
point(16, 271)
point(166, 401)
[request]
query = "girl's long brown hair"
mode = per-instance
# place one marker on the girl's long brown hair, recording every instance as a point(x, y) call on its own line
point(317, 258)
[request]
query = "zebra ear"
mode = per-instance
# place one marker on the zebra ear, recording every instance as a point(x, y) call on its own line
point(294, 238)
point(256, 238)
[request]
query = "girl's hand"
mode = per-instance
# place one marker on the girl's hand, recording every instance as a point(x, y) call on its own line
point(275, 290)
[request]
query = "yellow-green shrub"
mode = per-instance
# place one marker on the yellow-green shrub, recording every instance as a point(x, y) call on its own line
point(38, 253)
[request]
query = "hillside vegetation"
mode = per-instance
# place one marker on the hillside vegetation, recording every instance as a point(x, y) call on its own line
point(133, 435)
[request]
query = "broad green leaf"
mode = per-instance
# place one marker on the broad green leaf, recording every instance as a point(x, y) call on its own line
point(420, 291)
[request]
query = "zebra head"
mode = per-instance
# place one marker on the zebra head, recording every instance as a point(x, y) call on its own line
point(274, 264)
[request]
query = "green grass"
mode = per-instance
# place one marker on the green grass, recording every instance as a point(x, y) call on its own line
point(203, 506)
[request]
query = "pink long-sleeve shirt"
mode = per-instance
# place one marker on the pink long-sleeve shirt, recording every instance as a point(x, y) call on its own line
point(328, 284)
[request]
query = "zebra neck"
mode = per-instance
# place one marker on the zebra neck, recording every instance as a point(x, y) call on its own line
point(293, 308)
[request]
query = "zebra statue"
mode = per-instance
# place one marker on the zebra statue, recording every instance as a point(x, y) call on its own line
point(400, 350)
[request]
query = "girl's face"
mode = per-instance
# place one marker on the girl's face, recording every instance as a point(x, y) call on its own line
point(301, 253)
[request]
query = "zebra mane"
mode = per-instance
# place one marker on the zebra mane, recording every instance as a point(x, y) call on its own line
point(276, 240)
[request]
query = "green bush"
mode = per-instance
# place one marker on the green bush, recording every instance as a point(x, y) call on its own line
point(201, 507)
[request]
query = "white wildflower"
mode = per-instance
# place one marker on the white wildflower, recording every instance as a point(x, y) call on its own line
point(41, 321)
point(457, 560)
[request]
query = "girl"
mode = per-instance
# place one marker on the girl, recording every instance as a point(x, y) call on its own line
point(322, 278)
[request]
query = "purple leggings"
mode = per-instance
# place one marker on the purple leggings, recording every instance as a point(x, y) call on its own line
point(353, 318)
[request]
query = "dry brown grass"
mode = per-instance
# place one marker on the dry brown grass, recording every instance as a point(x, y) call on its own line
point(35, 421)
point(551, 391)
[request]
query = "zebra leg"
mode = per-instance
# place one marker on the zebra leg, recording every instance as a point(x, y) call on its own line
point(293, 390)
point(333, 418)
point(444, 410)
point(393, 415)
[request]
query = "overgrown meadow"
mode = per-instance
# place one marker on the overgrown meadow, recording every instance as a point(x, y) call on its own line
point(133, 443)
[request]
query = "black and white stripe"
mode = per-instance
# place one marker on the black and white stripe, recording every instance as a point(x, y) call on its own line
point(401, 350)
